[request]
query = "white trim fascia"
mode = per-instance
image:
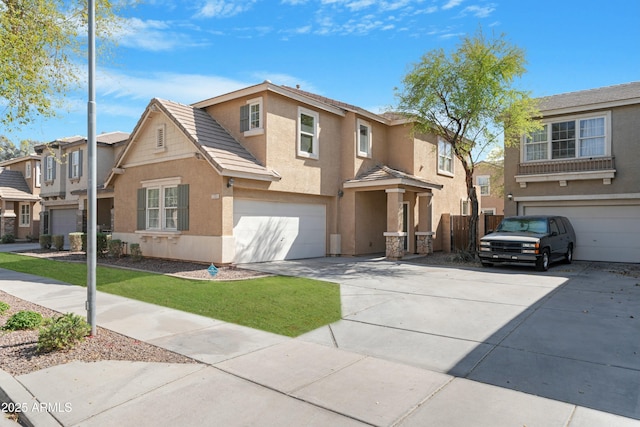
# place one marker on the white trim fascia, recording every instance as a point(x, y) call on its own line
point(248, 175)
point(590, 107)
point(176, 180)
point(158, 160)
point(567, 176)
point(578, 197)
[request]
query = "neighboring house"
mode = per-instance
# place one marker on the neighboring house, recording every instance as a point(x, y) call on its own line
point(65, 182)
point(488, 178)
point(271, 172)
point(19, 197)
point(584, 164)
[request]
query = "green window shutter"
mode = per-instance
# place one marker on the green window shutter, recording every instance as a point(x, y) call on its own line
point(53, 168)
point(80, 163)
point(244, 118)
point(142, 209)
point(69, 165)
point(183, 207)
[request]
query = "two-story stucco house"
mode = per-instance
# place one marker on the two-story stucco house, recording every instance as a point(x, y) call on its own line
point(64, 182)
point(584, 164)
point(489, 180)
point(19, 197)
point(272, 172)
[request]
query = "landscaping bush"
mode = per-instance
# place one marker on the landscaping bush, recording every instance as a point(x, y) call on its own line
point(45, 241)
point(4, 307)
point(76, 242)
point(115, 248)
point(62, 333)
point(101, 243)
point(58, 241)
point(23, 320)
point(8, 238)
point(136, 252)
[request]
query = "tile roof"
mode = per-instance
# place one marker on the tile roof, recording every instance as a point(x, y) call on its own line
point(622, 92)
point(380, 173)
point(13, 186)
point(223, 150)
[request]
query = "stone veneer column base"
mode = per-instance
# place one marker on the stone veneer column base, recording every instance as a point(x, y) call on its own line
point(395, 245)
point(424, 245)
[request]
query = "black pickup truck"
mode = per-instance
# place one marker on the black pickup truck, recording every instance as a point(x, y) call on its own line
point(539, 239)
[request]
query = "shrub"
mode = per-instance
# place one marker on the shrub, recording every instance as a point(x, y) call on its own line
point(8, 238)
point(45, 241)
point(4, 307)
point(76, 242)
point(115, 248)
point(62, 333)
point(136, 252)
point(23, 320)
point(58, 241)
point(101, 243)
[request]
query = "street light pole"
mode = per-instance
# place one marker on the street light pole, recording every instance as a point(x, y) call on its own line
point(92, 203)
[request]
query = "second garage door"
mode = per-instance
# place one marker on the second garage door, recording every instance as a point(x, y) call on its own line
point(63, 221)
point(603, 233)
point(270, 231)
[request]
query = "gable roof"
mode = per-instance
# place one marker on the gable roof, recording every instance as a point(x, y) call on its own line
point(384, 175)
point(222, 150)
point(109, 138)
point(14, 187)
point(604, 97)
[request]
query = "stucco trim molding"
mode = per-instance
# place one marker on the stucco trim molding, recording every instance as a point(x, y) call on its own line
point(579, 197)
point(605, 176)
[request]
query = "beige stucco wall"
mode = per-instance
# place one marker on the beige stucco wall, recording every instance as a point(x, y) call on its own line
point(495, 198)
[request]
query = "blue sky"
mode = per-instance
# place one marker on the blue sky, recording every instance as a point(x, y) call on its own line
point(356, 51)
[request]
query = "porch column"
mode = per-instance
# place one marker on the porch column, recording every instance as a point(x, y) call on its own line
point(394, 235)
point(424, 232)
point(8, 219)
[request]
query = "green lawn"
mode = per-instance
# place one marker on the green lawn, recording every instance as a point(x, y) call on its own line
point(283, 305)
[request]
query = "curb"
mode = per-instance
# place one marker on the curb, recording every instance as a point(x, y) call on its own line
point(12, 391)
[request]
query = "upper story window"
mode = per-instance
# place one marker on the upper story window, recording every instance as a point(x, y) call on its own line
point(49, 168)
point(445, 157)
point(75, 164)
point(483, 182)
point(569, 139)
point(37, 174)
point(251, 117)
point(364, 138)
point(308, 131)
point(27, 170)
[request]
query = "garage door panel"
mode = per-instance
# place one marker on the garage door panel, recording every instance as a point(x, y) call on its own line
point(62, 221)
point(269, 231)
point(603, 233)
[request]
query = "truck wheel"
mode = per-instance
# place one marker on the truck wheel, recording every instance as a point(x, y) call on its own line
point(568, 257)
point(542, 263)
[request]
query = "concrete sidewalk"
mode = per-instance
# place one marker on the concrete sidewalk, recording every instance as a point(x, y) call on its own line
point(254, 378)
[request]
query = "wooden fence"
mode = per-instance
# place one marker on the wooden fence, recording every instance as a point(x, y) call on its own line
point(460, 229)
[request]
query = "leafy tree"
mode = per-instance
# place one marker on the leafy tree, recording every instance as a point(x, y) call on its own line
point(39, 42)
point(467, 98)
point(8, 150)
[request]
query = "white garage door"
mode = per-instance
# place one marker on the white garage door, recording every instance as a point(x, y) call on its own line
point(268, 231)
point(603, 233)
point(62, 221)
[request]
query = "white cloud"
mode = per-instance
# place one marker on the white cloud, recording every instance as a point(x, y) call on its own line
point(224, 8)
point(451, 4)
point(479, 11)
point(152, 35)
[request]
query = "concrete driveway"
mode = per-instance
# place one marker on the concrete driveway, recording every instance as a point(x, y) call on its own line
point(570, 334)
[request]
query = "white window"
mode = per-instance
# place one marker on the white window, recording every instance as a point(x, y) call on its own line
point(488, 211)
point(251, 117)
point(27, 170)
point(445, 157)
point(75, 164)
point(482, 181)
point(161, 137)
point(162, 208)
point(465, 207)
point(50, 168)
point(571, 138)
point(37, 174)
point(308, 131)
point(25, 215)
point(364, 139)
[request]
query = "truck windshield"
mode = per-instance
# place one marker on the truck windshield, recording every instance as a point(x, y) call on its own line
point(520, 225)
